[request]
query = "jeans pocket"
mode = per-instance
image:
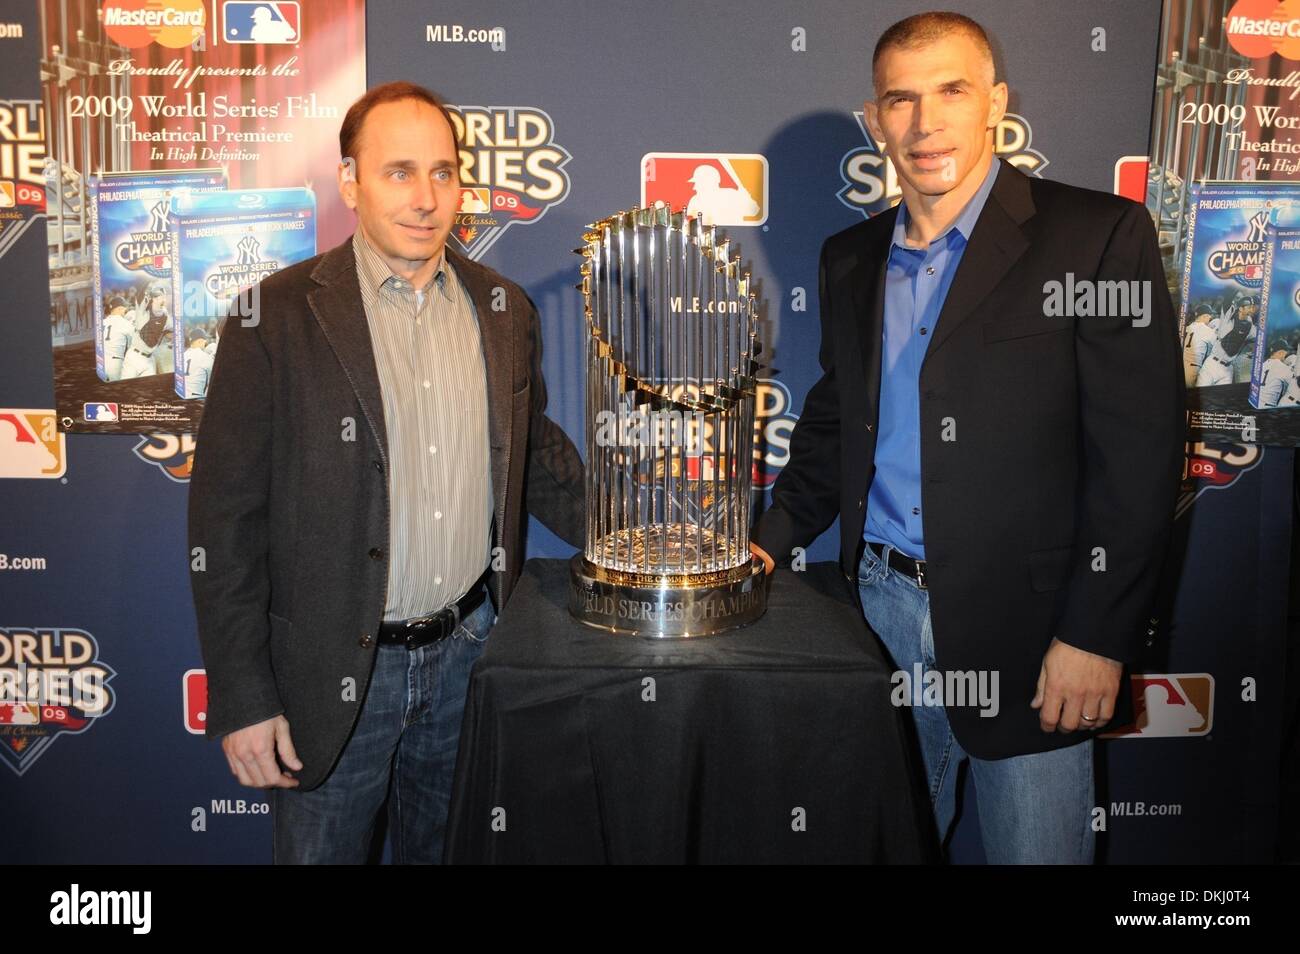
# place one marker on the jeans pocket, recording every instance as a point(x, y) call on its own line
point(477, 625)
point(871, 569)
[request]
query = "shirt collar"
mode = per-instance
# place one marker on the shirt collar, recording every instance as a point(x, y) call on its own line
point(374, 272)
point(965, 221)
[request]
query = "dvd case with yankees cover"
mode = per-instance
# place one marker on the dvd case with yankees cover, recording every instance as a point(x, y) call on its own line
point(225, 243)
point(130, 223)
point(1273, 375)
point(1223, 271)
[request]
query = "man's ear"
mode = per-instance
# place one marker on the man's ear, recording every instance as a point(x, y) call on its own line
point(997, 104)
point(871, 115)
point(347, 174)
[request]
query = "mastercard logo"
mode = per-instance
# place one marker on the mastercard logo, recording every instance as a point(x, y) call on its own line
point(170, 23)
point(1260, 28)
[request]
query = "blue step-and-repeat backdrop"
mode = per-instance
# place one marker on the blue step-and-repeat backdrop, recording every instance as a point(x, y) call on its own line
point(569, 112)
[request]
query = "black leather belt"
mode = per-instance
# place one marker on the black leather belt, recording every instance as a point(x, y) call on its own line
point(915, 569)
point(422, 630)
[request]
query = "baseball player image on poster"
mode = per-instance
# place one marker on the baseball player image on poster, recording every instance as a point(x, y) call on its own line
point(1234, 339)
point(1277, 380)
point(150, 343)
point(116, 334)
point(1198, 340)
point(196, 364)
point(1228, 235)
point(1273, 382)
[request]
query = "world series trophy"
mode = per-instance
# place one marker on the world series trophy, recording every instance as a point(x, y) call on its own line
point(670, 430)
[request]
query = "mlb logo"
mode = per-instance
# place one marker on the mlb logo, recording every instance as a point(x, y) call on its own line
point(1254, 273)
point(99, 412)
point(30, 443)
point(263, 22)
point(475, 200)
point(20, 713)
point(1169, 706)
point(1131, 178)
point(724, 188)
point(194, 690)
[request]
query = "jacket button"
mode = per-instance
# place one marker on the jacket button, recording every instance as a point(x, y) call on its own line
point(870, 427)
point(860, 501)
point(365, 641)
point(376, 553)
point(379, 466)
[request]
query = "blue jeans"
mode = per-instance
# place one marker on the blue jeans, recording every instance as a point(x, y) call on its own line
point(1033, 809)
point(402, 749)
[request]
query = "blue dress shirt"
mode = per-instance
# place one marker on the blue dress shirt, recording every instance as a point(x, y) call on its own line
point(916, 284)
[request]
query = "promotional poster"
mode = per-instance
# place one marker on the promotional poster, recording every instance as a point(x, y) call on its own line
point(252, 90)
point(1225, 118)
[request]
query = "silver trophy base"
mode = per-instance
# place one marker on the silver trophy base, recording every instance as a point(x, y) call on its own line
point(670, 609)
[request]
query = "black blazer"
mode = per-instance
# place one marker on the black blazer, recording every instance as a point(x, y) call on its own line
point(293, 520)
point(1068, 437)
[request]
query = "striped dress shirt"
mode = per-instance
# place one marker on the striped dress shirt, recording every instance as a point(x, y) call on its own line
point(429, 357)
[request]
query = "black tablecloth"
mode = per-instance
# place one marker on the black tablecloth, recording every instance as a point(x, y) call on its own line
point(772, 743)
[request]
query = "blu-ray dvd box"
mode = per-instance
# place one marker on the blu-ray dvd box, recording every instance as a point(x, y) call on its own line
point(130, 236)
point(1228, 234)
point(1273, 376)
point(225, 243)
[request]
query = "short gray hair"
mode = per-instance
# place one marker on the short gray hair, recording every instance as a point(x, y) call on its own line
point(922, 29)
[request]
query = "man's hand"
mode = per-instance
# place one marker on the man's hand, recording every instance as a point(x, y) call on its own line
point(251, 751)
point(1074, 683)
point(768, 563)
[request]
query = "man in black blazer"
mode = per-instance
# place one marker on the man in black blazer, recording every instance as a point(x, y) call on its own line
point(372, 441)
point(1003, 458)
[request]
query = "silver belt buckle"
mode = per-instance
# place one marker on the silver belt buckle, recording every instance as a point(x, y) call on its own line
point(920, 574)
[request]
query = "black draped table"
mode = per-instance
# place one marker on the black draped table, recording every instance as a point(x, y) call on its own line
point(772, 743)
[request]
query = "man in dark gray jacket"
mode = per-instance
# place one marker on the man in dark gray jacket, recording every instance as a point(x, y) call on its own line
point(371, 442)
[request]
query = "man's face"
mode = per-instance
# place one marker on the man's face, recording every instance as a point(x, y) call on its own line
point(158, 306)
point(404, 184)
point(935, 112)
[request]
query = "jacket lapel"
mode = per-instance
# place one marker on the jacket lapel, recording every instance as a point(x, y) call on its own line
point(996, 243)
point(341, 314)
point(867, 279)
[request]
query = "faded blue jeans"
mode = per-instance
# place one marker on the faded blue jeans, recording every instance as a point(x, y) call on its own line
point(402, 749)
point(1033, 809)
